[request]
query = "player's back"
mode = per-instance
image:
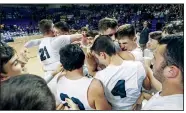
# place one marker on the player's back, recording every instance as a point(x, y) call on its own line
point(122, 83)
point(49, 51)
point(77, 90)
point(49, 57)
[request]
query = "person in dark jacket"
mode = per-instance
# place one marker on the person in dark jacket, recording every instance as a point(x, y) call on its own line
point(144, 35)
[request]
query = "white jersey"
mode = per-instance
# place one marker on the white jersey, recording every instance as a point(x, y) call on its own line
point(172, 102)
point(122, 84)
point(138, 54)
point(76, 90)
point(52, 84)
point(49, 51)
point(148, 54)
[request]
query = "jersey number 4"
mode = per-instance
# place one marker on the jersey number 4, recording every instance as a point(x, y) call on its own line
point(119, 89)
point(43, 53)
point(75, 100)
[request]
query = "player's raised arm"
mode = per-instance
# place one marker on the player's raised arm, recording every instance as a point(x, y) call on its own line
point(62, 40)
point(32, 43)
point(75, 37)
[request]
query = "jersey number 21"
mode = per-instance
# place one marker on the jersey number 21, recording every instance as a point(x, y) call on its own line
point(43, 53)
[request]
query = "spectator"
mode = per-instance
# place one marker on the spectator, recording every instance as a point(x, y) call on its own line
point(144, 35)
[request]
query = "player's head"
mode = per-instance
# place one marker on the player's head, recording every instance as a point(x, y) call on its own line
point(145, 24)
point(61, 28)
point(10, 65)
point(154, 38)
point(46, 27)
point(26, 92)
point(72, 57)
point(126, 36)
point(108, 26)
point(103, 48)
point(91, 36)
point(169, 59)
point(84, 30)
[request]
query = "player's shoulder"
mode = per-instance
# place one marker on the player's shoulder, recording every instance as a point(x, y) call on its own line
point(63, 36)
point(95, 82)
point(46, 39)
point(95, 86)
point(131, 63)
point(100, 75)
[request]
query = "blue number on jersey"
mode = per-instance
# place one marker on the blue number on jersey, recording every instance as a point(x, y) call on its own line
point(119, 89)
point(75, 100)
point(43, 53)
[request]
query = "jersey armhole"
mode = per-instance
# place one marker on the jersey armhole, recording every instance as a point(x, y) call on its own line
point(93, 106)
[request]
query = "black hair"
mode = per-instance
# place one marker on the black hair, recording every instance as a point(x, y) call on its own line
point(126, 30)
point(156, 35)
point(92, 33)
point(45, 25)
point(72, 57)
point(107, 23)
point(104, 44)
point(26, 92)
point(174, 53)
point(63, 26)
point(7, 53)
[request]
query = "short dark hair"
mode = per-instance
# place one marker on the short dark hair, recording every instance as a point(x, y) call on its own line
point(73, 31)
point(7, 53)
point(174, 53)
point(45, 25)
point(156, 35)
point(126, 30)
point(107, 23)
point(72, 57)
point(26, 92)
point(84, 29)
point(63, 26)
point(92, 33)
point(104, 44)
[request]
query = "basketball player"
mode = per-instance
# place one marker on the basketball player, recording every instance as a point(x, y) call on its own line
point(61, 28)
point(108, 26)
point(91, 36)
point(169, 70)
point(50, 45)
point(49, 50)
point(10, 64)
point(152, 44)
point(122, 79)
point(126, 36)
point(87, 93)
point(26, 92)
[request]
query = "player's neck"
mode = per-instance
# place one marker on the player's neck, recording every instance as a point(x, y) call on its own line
point(116, 60)
point(75, 74)
point(171, 89)
point(134, 46)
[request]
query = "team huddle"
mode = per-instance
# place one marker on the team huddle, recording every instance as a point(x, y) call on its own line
point(96, 70)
